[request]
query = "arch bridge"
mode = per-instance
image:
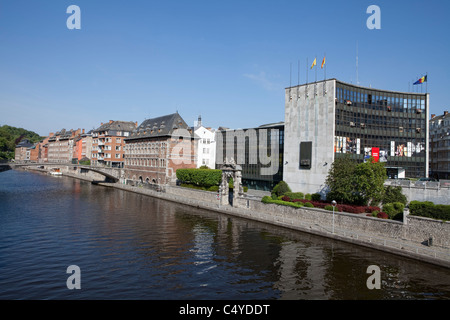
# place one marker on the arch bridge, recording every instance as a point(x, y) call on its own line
point(111, 174)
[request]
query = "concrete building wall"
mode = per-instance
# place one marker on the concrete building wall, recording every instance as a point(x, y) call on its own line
point(309, 117)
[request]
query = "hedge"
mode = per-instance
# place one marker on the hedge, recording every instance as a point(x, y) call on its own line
point(200, 177)
point(428, 209)
point(267, 199)
point(394, 210)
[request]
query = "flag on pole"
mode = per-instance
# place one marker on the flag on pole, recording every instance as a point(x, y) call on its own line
point(421, 80)
point(314, 63)
point(323, 63)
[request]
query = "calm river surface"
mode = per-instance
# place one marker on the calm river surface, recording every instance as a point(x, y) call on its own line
point(130, 246)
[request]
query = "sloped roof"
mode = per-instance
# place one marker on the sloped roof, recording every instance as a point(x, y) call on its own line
point(25, 143)
point(159, 127)
point(117, 126)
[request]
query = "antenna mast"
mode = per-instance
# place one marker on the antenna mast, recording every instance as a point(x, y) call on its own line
point(357, 78)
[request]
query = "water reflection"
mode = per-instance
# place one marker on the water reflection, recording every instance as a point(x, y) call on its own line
point(130, 246)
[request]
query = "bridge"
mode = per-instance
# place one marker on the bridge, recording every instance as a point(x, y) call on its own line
point(111, 174)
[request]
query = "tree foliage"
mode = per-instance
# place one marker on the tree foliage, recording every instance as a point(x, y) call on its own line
point(341, 180)
point(354, 183)
point(11, 136)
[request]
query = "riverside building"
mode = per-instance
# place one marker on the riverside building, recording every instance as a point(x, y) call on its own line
point(440, 146)
point(108, 142)
point(157, 148)
point(259, 152)
point(330, 119)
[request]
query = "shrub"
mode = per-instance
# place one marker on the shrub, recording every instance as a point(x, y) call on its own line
point(394, 194)
point(309, 205)
point(430, 210)
point(316, 197)
point(295, 195)
point(382, 215)
point(281, 188)
point(308, 196)
point(352, 209)
point(267, 199)
point(329, 207)
point(370, 209)
point(374, 214)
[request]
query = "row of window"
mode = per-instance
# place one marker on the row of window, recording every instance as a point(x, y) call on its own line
point(398, 102)
point(156, 163)
point(106, 140)
point(145, 147)
point(106, 155)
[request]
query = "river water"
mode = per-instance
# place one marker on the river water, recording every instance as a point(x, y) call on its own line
point(130, 246)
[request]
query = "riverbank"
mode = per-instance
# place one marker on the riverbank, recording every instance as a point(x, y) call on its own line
point(388, 236)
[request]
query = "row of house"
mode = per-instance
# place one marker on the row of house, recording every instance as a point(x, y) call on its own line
point(150, 152)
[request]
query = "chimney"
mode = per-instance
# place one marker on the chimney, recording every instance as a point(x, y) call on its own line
point(432, 116)
point(445, 113)
point(101, 123)
point(136, 124)
point(82, 132)
point(111, 121)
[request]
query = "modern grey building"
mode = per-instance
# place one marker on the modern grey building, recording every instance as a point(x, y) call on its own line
point(328, 119)
point(259, 151)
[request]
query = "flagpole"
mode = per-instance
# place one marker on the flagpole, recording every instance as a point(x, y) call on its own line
point(307, 71)
point(316, 67)
point(426, 82)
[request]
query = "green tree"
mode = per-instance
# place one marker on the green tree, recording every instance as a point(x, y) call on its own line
point(370, 177)
point(394, 194)
point(341, 180)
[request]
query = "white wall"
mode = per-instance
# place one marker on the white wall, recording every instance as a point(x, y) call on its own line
point(309, 116)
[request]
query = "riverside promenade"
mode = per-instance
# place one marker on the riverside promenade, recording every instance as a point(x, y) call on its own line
point(437, 255)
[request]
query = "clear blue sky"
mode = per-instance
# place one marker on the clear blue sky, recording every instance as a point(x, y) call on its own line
point(226, 60)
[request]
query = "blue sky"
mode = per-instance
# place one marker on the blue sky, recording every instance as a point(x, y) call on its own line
point(226, 60)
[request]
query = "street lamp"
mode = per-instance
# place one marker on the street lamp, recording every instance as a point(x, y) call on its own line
point(333, 203)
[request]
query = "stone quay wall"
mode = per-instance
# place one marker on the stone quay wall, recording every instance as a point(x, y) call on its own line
point(422, 229)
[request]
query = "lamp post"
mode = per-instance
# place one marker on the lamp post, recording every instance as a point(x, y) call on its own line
point(333, 203)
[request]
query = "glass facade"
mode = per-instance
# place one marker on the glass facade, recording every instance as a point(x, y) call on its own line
point(391, 126)
point(259, 151)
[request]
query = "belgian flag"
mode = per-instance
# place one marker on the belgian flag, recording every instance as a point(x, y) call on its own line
point(421, 80)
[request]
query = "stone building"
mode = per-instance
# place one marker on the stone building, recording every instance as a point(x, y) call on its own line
point(22, 152)
point(157, 148)
point(108, 143)
point(60, 146)
point(440, 146)
point(330, 119)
